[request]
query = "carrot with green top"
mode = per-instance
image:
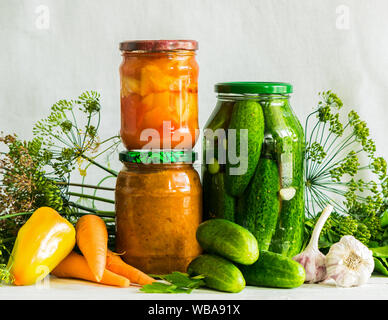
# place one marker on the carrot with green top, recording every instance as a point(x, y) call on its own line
point(92, 240)
point(115, 264)
point(76, 266)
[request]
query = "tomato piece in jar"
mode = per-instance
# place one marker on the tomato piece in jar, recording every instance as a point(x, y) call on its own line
point(162, 87)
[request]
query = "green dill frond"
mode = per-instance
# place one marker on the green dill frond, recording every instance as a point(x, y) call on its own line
point(334, 158)
point(342, 168)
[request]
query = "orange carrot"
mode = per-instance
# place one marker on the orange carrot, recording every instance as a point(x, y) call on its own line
point(115, 264)
point(92, 240)
point(75, 266)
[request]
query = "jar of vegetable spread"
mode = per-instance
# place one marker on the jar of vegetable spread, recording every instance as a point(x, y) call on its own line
point(254, 163)
point(159, 88)
point(158, 210)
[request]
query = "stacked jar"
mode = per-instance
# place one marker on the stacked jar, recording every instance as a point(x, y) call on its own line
point(158, 191)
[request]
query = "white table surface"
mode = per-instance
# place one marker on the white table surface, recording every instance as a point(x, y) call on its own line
point(63, 289)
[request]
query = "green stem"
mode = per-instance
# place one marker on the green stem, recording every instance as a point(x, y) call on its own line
point(87, 196)
point(77, 214)
point(84, 185)
point(49, 133)
point(336, 204)
point(112, 172)
point(308, 144)
point(111, 138)
point(76, 126)
point(99, 183)
point(12, 215)
point(310, 164)
point(332, 143)
point(320, 202)
point(338, 192)
point(333, 154)
point(87, 125)
point(11, 239)
point(327, 171)
point(105, 150)
point(314, 165)
point(96, 212)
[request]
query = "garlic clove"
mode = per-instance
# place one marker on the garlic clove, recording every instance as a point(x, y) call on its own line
point(311, 258)
point(287, 194)
point(313, 262)
point(349, 262)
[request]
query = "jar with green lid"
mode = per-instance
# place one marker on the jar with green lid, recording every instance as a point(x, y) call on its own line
point(158, 202)
point(253, 163)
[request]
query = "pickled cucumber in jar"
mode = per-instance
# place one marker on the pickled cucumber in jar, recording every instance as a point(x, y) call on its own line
point(268, 193)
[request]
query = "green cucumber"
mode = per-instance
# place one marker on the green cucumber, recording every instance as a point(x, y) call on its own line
point(216, 202)
point(220, 274)
point(274, 270)
point(247, 114)
point(289, 235)
point(229, 240)
point(260, 205)
point(207, 195)
point(223, 204)
point(286, 137)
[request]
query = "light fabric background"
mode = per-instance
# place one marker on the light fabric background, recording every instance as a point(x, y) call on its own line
point(314, 44)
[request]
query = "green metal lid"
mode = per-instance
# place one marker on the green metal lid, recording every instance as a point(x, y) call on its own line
point(158, 156)
point(253, 87)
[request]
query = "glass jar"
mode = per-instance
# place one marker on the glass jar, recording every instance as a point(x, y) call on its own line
point(159, 94)
point(158, 210)
point(268, 197)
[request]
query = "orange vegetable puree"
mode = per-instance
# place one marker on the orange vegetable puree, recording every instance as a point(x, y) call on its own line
point(158, 210)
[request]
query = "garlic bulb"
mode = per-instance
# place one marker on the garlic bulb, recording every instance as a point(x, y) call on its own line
point(349, 262)
point(311, 258)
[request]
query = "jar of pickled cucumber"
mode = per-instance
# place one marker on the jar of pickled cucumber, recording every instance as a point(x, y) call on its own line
point(253, 163)
point(159, 89)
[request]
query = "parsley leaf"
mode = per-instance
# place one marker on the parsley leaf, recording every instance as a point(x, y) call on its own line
point(177, 282)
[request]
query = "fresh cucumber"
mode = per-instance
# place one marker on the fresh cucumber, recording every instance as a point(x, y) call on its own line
point(274, 270)
point(228, 239)
point(247, 114)
point(220, 274)
point(260, 205)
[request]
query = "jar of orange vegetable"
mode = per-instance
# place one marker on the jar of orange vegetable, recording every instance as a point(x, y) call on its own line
point(158, 210)
point(159, 89)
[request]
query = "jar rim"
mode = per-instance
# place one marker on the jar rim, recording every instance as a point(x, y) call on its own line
point(251, 96)
point(158, 45)
point(246, 87)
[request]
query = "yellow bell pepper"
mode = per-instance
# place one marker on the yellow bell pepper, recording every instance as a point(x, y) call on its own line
point(41, 244)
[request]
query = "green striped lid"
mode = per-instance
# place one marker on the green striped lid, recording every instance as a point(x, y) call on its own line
point(158, 156)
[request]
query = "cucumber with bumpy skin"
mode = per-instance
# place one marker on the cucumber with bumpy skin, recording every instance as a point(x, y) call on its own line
point(260, 205)
point(274, 270)
point(247, 114)
point(286, 137)
point(289, 235)
point(216, 202)
point(220, 274)
point(229, 240)
point(223, 204)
